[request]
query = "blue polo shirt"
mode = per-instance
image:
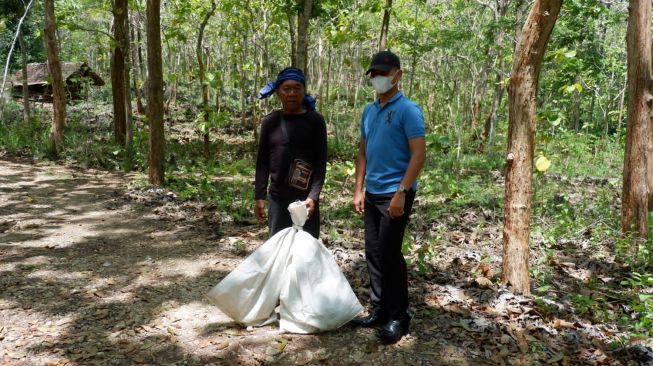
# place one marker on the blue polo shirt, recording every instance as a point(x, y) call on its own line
point(386, 131)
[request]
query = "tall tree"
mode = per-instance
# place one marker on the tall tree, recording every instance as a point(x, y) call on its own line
point(634, 200)
point(202, 77)
point(129, 127)
point(118, 70)
point(385, 24)
point(137, 61)
point(11, 8)
point(293, 39)
point(54, 66)
point(155, 93)
point(303, 18)
point(23, 51)
point(493, 51)
point(522, 93)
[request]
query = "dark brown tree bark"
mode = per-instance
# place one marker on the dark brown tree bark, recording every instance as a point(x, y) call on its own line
point(522, 102)
point(634, 200)
point(54, 67)
point(293, 40)
point(202, 77)
point(155, 93)
point(118, 73)
point(129, 132)
point(138, 77)
point(141, 64)
point(302, 35)
point(385, 24)
point(23, 51)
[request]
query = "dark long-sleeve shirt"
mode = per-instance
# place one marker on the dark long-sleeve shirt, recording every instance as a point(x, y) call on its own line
point(308, 141)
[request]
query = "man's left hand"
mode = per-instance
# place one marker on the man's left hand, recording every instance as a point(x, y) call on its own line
point(397, 203)
point(310, 206)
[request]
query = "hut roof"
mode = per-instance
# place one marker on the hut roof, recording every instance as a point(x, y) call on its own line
point(38, 73)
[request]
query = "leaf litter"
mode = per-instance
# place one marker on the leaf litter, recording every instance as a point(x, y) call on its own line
point(142, 260)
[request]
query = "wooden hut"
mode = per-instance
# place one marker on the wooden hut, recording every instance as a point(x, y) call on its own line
point(75, 75)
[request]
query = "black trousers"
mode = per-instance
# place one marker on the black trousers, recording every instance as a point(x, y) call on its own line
point(385, 262)
point(279, 217)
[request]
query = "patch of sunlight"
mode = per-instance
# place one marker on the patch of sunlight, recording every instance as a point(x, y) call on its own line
point(56, 174)
point(407, 343)
point(185, 324)
point(59, 275)
point(188, 267)
point(37, 260)
point(8, 304)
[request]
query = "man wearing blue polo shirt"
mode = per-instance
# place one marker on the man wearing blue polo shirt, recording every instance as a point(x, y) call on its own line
point(391, 154)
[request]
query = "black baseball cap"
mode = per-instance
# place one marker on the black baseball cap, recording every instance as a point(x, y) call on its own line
point(384, 61)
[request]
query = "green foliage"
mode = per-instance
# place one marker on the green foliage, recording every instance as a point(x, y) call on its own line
point(10, 13)
point(19, 138)
point(641, 303)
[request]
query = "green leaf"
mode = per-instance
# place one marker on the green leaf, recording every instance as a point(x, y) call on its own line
point(645, 297)
point(544, 289)
point(570, 54)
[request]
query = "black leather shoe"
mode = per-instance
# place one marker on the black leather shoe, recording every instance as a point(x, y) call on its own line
point(393, 330)
point(376, 317)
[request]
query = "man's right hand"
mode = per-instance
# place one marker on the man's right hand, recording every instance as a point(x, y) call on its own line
point(259, 209)
point(359, 202)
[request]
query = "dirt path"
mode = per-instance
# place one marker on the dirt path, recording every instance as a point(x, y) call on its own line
point(90, 277)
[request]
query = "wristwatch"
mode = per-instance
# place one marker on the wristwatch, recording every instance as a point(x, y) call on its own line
point(402, 189)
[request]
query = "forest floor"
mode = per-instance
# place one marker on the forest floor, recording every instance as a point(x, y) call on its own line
point(95, 272)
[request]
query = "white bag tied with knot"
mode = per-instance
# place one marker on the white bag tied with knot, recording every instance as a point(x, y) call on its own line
point(292, 269)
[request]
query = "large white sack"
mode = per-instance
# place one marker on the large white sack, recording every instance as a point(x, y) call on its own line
point(292, 269)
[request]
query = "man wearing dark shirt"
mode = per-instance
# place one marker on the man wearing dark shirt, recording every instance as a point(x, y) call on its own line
point(305, 139)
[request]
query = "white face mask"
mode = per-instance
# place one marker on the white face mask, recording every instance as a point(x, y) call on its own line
point(382, 83)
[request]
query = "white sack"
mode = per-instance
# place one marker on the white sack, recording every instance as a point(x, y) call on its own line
point(294, 270)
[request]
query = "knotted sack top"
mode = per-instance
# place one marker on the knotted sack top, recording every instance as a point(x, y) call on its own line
point(298, 214)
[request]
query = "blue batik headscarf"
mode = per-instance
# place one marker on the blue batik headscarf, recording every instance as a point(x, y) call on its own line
point(289, 73)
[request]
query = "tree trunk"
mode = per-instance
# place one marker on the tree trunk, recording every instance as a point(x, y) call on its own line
point(138, 77)
point(242, 83)
point(413, 63)
point(634, 200)
point(521, 8)
point(202, 76)
point(489, 130)
point(383, 39)
point(173, 83)
point(54, 67)
point(649, 150)
point(141, 65)
point(302, 35)
point(129, 127)
point(325, 105)
point(23, 51)
point(621, 104)
point(499, 11)
point(155, 94)
point(521, 135)
point(293, 41)
point(320, 68)
point(118, 85)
